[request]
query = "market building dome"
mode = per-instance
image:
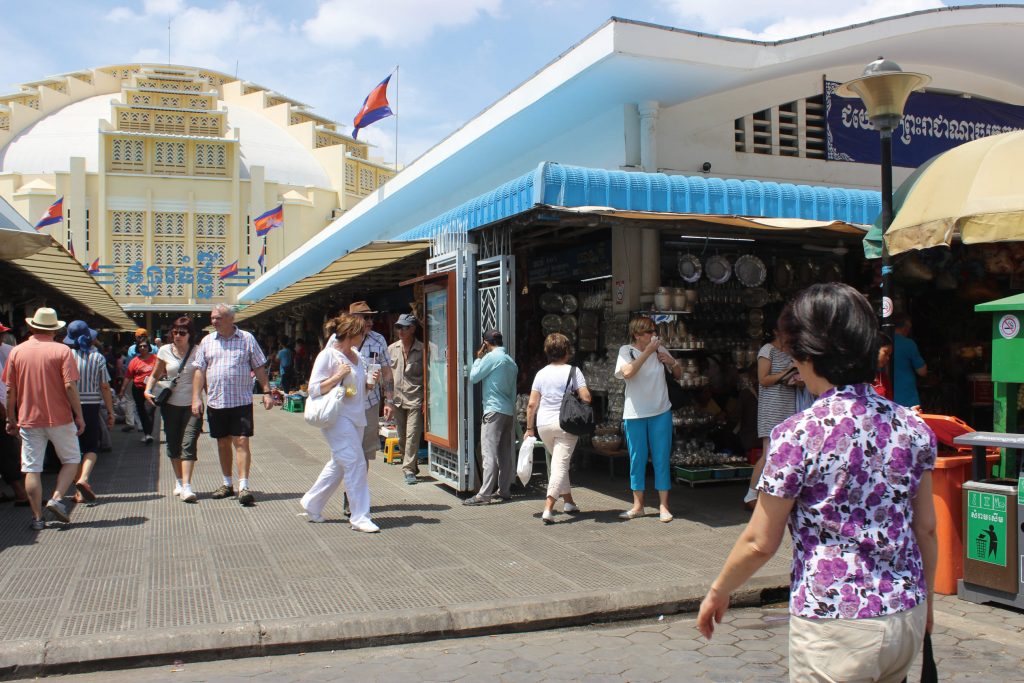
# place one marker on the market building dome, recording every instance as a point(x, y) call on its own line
point(163, 171)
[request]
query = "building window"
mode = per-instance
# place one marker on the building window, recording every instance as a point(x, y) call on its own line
point(350, 175)
point(87, 234)
point(170, 123)
point(128, 155)
point(127, 222)
point(169, 101)
point(169, 158)
point(365, 179)
point(204, 125)
point(211, 225)
point(210, 159)
point(169, 224)
point(127, 253)
point(133, 120)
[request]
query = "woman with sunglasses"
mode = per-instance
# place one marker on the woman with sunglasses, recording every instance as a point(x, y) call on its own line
point(181, 427)
point(139, 369)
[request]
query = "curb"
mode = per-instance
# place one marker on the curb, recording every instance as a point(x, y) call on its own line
point(283, 636)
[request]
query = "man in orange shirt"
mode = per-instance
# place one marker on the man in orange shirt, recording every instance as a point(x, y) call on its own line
point(42, 402)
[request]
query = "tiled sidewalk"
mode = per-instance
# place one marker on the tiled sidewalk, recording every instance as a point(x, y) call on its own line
point(140, 563)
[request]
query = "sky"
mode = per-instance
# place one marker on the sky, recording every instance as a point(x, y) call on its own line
point(455, 57)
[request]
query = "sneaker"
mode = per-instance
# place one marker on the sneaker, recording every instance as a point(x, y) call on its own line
point(410, 478)
point(188, 495)
point(315, 518)
point(245, 497)
point(223, 491)
point(148, 439)
point(366, 527)
point(476, 500)
point(58, 510)
point(177, 489)
point(571, 508)
point(85, 490)
point(548, 517)
point(37, 525)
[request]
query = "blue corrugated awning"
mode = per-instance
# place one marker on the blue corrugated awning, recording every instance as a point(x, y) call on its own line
point(556, 185)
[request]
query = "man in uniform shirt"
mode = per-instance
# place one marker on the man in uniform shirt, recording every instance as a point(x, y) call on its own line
point(496, 369)
point(225, 361)
point(406, 358)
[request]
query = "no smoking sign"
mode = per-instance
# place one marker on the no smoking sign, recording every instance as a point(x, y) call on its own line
point(1009, 326)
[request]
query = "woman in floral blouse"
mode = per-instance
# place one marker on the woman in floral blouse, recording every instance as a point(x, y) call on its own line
point(852, 476)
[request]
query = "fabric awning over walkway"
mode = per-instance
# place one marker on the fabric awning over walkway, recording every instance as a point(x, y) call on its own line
point(55, 267)
point(353, 264)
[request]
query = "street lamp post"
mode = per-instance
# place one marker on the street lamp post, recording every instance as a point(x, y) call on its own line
point(884, 88)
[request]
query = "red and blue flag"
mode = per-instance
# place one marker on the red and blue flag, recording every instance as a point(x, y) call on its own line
point(229, 270)
point(269, 220)
point(54, 214)
point(375, 108)
point(262, 260)
point(71, 247)
point(94, 269)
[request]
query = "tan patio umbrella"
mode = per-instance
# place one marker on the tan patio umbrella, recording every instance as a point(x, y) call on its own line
point(976, 189)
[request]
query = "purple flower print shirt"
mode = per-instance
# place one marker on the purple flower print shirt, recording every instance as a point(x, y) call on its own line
point(852, 461)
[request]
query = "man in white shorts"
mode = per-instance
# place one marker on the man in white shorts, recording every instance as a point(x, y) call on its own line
point(43, 405)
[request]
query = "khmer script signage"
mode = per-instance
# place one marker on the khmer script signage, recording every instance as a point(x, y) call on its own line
point(932, 124)
point(161, 280)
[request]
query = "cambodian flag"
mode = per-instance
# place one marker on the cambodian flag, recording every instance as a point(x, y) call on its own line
point(94, 269)
point(268, 221)
point(229, 270)
point(375, 108)
point(54, 214)
point(71, 247)
point(262, 260)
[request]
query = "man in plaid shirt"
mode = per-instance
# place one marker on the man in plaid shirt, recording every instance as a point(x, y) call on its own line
point(374, 350)
point(225, 362)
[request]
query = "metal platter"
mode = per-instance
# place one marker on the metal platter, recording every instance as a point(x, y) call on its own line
point(569, 303)
point(690, 268)
point(754, 298)
point(551, 323)
point(718, 269)
point(551, 302)
point(750, 270)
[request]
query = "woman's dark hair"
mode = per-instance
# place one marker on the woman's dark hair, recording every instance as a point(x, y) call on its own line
point(185, 322)
point(557, 347)
point(833, 327)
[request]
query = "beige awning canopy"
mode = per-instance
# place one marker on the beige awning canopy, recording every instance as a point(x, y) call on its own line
point(358, 262)
point(43, 259)
point(748, 222)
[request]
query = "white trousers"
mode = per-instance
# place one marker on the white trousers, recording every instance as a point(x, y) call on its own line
point(347, 462)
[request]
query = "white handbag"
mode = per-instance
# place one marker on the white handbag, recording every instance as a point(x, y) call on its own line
point(323, 411)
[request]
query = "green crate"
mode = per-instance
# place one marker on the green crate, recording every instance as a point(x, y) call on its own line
point(693, 474)
point(294, 405)
point(724, 472)
point(744, 471)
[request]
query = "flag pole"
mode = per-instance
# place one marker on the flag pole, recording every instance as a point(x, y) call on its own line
point(396, 118)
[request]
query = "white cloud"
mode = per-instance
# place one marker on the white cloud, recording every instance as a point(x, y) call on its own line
point(346, 23)
point(780, 19)
point(163, 6)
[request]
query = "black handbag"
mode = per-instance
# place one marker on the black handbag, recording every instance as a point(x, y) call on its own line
point(676, 394)
point(164, 389)
point(575, 416)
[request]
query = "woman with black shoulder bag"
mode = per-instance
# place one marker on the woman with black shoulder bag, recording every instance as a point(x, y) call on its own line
point(175, 361)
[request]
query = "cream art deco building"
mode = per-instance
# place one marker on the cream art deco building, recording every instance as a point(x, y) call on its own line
point(163, 170)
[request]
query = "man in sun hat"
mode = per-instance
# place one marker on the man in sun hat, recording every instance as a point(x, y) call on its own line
point(374, 350)
point(43, 405)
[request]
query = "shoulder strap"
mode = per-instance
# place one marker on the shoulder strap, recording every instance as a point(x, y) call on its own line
point(184, 362)
point(571, 377)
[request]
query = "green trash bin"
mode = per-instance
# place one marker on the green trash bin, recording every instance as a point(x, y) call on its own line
point(990, 535)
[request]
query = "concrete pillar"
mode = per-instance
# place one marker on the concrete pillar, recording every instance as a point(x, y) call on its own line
point(650, 263)
point(77, 205)
point(649, 135)
point(627, 254)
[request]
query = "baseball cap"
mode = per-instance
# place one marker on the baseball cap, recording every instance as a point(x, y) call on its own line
point(406, 320)
point(141, 332)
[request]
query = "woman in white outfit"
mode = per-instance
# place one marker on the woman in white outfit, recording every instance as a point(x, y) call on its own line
point(542, 417)
point(335, 362)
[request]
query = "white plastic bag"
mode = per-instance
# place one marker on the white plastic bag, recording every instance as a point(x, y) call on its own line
point(524, 468)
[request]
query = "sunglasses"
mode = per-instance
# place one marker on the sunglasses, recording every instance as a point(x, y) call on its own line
point(177, 332)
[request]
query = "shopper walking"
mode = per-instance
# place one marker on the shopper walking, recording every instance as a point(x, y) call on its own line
point(852, 476)
point(141, 334)
point(907, 363)
point(176, 362)
point(286, 365)
point(776, 398)
point(338, 361)
point(496, 371)
point(405, 357)
point(225, 362)
point(43, 405)
point(373, 349)
point(139, 369)
point(542, 418)
point(93, 393)
point(10, 446)
point(647, 413)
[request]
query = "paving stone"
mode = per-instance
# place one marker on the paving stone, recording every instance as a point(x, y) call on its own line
point(762, 657)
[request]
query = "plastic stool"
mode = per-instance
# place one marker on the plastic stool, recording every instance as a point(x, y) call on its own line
point(392, 452)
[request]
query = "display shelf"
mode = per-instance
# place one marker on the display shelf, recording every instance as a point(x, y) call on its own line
point(684, 350)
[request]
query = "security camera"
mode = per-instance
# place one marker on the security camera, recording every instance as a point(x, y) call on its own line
point(706, 167)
